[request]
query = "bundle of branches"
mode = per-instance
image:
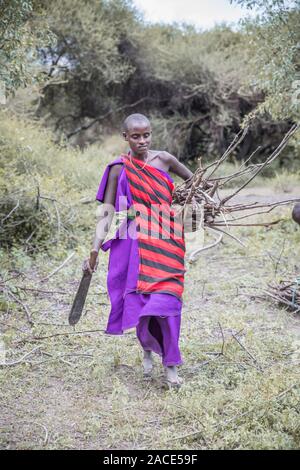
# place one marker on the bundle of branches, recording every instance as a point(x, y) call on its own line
point(286, 293)
point(202, 189)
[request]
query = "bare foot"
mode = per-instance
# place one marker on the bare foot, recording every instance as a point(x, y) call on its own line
point(172, 378)
point(147, 363)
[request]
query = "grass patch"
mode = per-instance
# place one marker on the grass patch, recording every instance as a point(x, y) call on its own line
point(86, 390)
point(77, 388)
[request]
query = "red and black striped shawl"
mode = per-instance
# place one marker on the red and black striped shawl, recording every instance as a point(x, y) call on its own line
point(160, 235)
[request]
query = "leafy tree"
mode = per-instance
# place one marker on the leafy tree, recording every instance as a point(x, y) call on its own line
point(87, 67)
point(23, 29)
point(274, 38)
point(88, 36)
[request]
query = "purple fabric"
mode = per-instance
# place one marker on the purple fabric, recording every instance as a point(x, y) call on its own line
point(161, 335)
point(131, 309)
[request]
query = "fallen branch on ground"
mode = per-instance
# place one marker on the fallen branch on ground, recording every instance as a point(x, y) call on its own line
point(286, 293)
point(59, 268)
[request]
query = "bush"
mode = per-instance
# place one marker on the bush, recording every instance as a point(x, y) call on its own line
point(43, 185)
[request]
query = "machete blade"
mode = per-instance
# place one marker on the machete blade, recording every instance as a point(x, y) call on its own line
point(79, 299)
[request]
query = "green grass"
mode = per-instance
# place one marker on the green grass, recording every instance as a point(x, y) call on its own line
point(86, 390)
point(243, 399)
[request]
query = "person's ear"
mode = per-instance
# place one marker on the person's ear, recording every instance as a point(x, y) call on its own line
point(125, 136)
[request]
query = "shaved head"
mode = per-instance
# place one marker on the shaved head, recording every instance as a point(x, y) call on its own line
point(135, 119)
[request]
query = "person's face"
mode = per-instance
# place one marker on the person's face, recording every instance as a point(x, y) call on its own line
point(139, 138)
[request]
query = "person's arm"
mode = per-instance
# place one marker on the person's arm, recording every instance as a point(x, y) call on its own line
point(177, 167)
point(105, 218)
point(181, 170)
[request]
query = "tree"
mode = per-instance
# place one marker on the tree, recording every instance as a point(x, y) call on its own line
point(274, 38)
point(23, 30)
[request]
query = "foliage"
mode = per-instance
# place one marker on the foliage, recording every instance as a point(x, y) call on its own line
point(86, 388)
point(79, 389)
point(86, 66)
point(42, 185)
point(198, 87)
point(88, 34)
point(193, 84)
point(23, 29)
point(263, 5)
point(273, 54)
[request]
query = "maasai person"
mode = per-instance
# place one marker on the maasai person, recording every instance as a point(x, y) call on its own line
point(145, 272)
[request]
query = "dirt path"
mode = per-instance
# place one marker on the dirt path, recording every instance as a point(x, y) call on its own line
point(261, 194)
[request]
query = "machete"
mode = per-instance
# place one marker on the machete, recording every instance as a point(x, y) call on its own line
point(79, 299)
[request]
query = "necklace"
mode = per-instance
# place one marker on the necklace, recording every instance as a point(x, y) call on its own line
point(139, 169)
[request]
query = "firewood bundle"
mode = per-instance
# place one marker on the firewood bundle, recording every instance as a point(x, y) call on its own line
point(286, 293)
point(202, 190)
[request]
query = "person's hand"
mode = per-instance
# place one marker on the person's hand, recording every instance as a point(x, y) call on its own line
point(91, 264)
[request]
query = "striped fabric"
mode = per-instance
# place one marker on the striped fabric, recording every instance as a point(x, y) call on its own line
point(160, 235)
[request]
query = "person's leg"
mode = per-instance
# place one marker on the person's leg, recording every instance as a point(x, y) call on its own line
point(147, 363)
point(148, 342)
point(161, 335)
point(169, 334)
point(150, 336)
point(170, 330)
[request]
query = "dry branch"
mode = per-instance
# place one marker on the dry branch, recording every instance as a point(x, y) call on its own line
point(286, 293)
point(59, 268)
point(5, 288)
point(202, 190)
point(19, 361)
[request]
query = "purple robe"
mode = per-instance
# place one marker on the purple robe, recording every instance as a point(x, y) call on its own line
point(156, 316)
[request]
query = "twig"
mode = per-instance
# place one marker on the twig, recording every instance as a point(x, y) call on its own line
point(193, 416)
point(230, 235)
point(236, 141)
point(240, 173)
point(41, 290)
point(11, 212)
point(286, 391)
point(203, 288)
point(43, 426)
point(21, 359)
point(248, 352)
point(272, 157)
point(58, 220)
point(207, 247)
point(58, 269)
point(38, 338)
point(56, 357)
point(12, 326)
point(254, 213)
point(25, 308)
point(223, 338)
point(18, 274)
point(281, 300)
point(279, 257)
point(256, 205)
point(51, 324)
point(262, 224)
point(277, 397)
